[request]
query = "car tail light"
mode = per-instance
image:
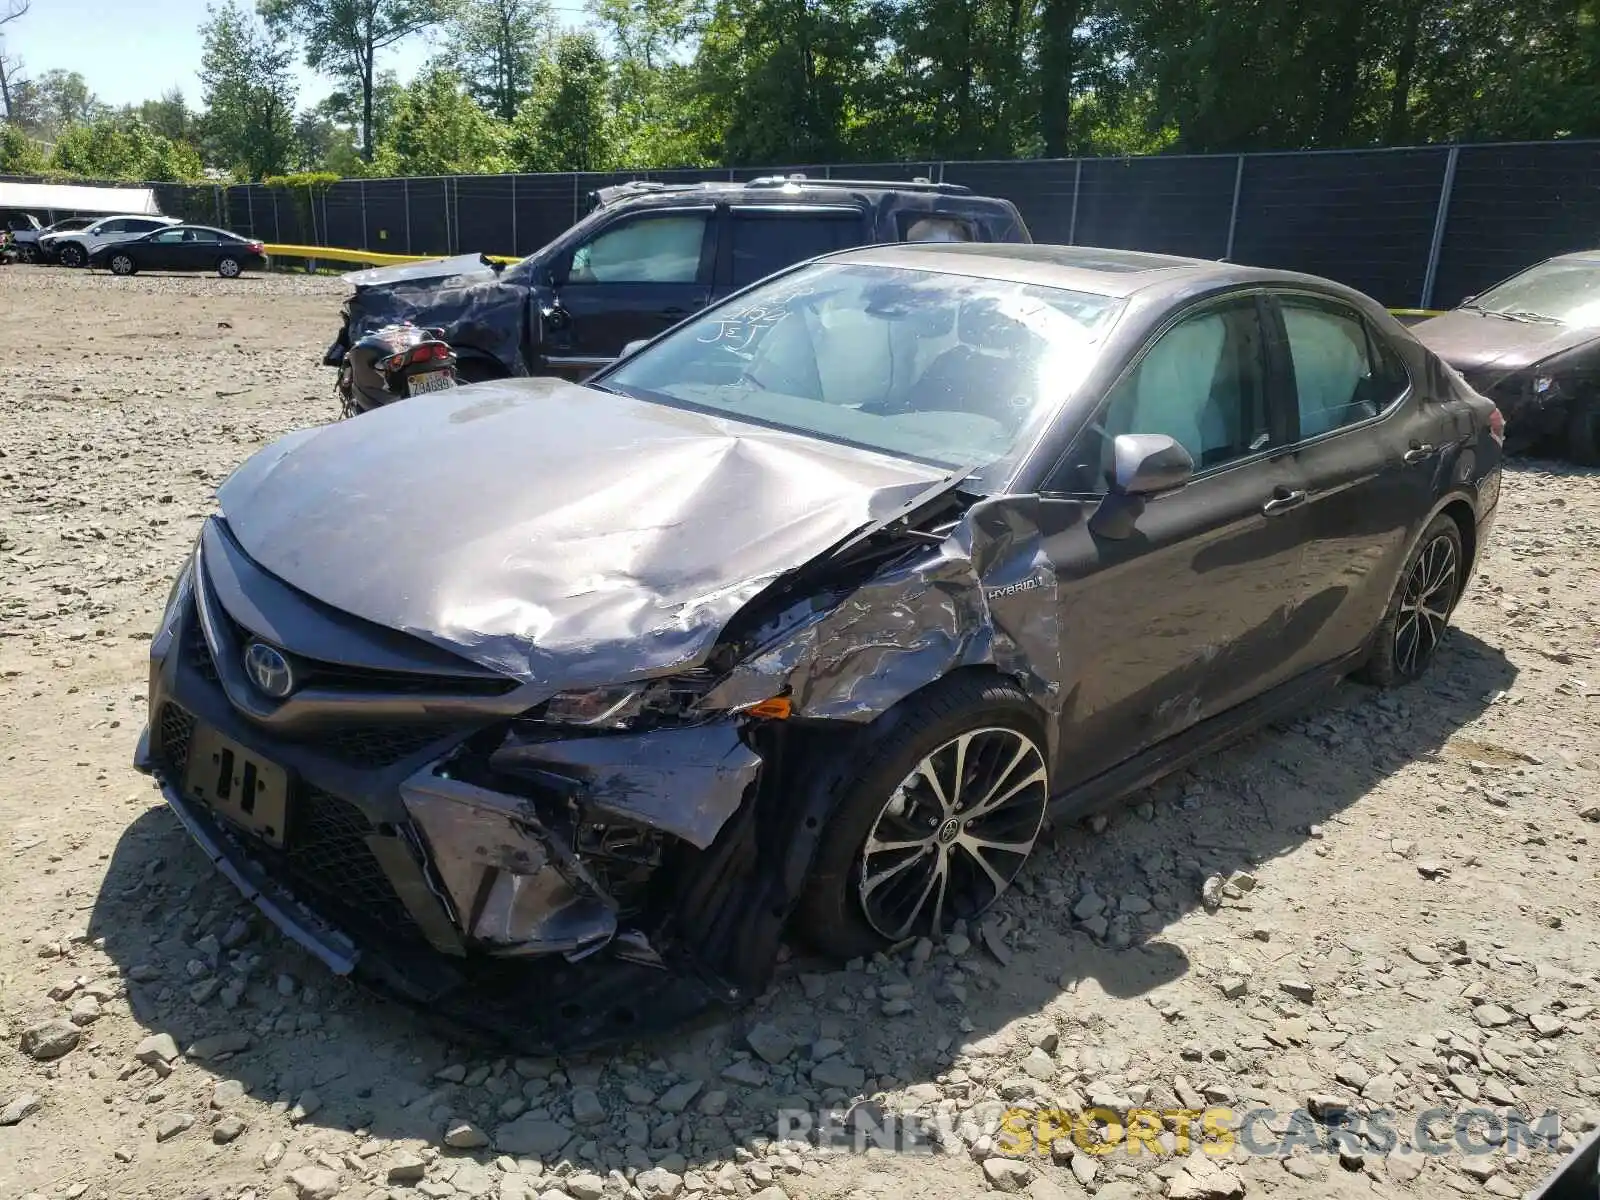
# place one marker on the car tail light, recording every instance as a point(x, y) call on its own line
point(1497, 425)
point(256, 247)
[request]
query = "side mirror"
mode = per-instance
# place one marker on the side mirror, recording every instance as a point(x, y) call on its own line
point(636, 344)
point(1143, 464)
point(1146, 464)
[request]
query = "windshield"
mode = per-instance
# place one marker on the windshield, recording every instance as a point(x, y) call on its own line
point(946, 369)
point(1564, 291)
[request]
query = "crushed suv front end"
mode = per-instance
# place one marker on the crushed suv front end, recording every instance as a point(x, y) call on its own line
point(422, 826)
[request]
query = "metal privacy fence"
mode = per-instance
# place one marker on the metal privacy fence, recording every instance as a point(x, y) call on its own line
point(1412, 226)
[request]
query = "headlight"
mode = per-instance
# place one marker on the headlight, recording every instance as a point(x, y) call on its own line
point(646, 704)
point(597, 708)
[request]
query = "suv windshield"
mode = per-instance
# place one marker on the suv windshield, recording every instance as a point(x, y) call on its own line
point(947, 369)
point(1565, 291)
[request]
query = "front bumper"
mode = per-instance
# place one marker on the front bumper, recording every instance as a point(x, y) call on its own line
point(409, 880)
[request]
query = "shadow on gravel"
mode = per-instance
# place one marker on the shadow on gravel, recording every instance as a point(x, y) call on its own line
point(1087, 918)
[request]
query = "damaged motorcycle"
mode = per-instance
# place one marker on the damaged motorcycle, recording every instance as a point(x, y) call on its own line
point(389, 364)
point(553, 708)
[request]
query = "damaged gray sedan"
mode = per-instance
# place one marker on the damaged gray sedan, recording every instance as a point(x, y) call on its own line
point(552, 707)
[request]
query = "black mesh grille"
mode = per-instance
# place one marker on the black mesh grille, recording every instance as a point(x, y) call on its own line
point(176, 728)
point(377, 745)
point(328, 857)
point(195, 651)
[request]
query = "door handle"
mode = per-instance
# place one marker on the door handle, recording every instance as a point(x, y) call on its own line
point(1419, 453)
point(1282, 501)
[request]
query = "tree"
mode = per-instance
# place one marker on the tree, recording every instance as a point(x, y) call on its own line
point(19, 154)
point(56, 101)
point(656, 110)
point(495, 49)
point(564, 125)
point(249, 93)
point(170, 116)
point(438, 129)
point(10, 10)
point(119, 147)
point(345, 37)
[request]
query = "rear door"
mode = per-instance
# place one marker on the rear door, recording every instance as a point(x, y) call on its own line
point(1370, 448)
point(201, 249)
point(764, 239)
point(633, 278)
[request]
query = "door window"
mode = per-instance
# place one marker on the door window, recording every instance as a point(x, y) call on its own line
point(1339, 379)
point(1203, 383)
point(110, 227)
point(171, 236)
point(143, 226)
point(764, 243)
point(663, 249)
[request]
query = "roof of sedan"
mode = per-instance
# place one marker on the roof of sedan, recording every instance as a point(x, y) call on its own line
point(1081, 268)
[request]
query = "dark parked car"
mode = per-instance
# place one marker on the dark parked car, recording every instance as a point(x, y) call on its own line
point(1532, 345)
point(550, 705)
point(649, 255)
point(183, 248)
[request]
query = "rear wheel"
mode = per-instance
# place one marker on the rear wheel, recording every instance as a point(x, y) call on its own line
point(942, 811)
point(28, 252)
point(229, 267)
point(72, 255)
point(123, 264)
point(1414, 624)
point(1583, 432)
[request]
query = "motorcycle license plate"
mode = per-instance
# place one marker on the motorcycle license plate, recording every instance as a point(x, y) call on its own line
point(431, 381)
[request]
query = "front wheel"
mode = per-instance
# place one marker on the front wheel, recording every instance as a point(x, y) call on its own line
point(28, 252)
point(1414, 624)
point(229, 268)
point(72, 255)
point(943, 808)
point(122, 264)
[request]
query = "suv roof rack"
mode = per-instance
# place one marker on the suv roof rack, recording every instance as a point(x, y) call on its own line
point(920, 183)
point(642, 187)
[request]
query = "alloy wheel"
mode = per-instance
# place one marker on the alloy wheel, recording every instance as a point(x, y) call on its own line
point(1425, 606)
point(122, 265)
point(228, 268)
point(955, 832)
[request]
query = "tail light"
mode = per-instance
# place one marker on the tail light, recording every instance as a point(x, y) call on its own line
point(420, 354)
point(256, 247)
point(1497, 425)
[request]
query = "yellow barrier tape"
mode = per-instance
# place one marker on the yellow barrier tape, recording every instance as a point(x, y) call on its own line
point(373, 258)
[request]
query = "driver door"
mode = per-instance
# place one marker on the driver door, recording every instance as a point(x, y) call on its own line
point(1179, 620)
point(635, 278)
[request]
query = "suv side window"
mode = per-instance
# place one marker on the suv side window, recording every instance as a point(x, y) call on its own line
point(1203, 383)
point(927, 227)
point(766, 242)
point(657, 249)
point(144, 226)
point(1341, 375)
point(109, 227)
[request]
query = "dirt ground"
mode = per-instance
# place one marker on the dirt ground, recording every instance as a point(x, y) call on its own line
point(1408, 922)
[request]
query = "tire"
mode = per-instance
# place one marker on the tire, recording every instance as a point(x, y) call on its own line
point(229, 267)
point(1583, 432)
point(864, 894)
point(1418, 614)
point(72, 255)
point(28, 252)
point(123, 264)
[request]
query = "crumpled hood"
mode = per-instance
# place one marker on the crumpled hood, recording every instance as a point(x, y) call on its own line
point(1472, 342)
point(550, 531)
point(439, 268)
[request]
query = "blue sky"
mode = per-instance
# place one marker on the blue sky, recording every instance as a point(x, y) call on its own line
point(134, 50)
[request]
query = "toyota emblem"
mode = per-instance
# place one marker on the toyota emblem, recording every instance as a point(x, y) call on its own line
point(269, 670)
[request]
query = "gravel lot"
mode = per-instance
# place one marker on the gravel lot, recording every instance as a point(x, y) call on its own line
point(1412, 922)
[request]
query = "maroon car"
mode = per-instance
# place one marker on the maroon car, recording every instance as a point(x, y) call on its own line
point(1532, 345)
